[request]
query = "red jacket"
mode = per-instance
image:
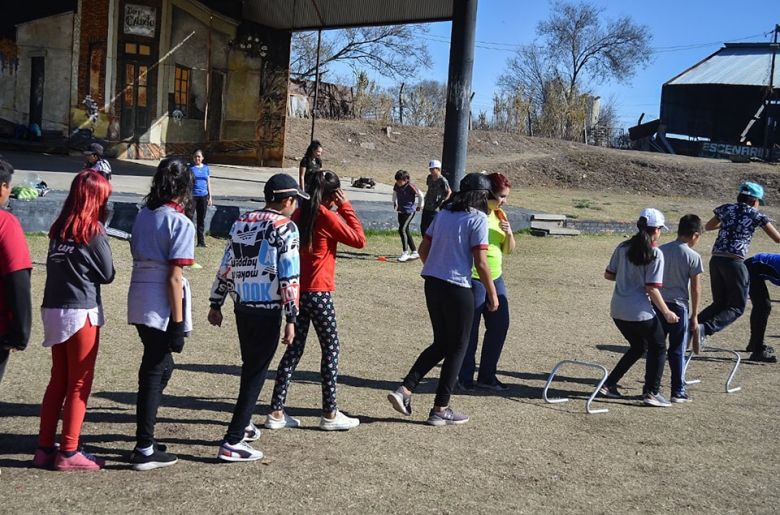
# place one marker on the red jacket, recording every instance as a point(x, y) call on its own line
point(318, 265)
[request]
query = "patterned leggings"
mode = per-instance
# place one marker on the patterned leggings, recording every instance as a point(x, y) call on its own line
point(316, 307)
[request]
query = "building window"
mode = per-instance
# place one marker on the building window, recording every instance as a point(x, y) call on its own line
point(181, 88)
point(96, 59)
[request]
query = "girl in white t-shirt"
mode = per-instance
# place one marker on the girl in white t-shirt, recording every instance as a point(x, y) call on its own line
point(637, 267)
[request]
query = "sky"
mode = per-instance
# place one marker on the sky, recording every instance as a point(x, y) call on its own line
point(684, 32)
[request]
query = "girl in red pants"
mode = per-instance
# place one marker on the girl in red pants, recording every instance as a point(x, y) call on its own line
point(78, 262)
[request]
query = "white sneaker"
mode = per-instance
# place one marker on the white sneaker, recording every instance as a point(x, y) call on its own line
point(241, 451)
point(340, 422)
point(280, 423)
point(404, 257)
point(251, 433)
point(414, 255)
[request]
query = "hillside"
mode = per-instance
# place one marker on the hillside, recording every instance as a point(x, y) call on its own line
point(529, 162)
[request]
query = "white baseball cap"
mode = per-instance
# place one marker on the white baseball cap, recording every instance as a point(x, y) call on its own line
point(434, 163)
point(654, 217)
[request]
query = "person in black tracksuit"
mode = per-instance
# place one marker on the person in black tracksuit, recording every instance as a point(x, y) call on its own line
point(407, 200)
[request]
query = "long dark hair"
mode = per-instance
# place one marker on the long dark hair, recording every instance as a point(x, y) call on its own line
point(463, 200)
point(173, 180)
point(84, 209)
point(321, 186)
point(314, 145)
point(640, 246)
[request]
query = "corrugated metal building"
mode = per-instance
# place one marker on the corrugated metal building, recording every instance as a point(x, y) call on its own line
point(717, 97)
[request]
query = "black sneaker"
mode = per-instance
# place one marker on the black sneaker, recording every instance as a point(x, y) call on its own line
point(764, 356)
point(157, 446)
point(156, 460)
point(465, 386)
point(496, 386)
point(768, 348)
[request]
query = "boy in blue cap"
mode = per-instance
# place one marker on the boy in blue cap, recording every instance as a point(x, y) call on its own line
point(729, 278)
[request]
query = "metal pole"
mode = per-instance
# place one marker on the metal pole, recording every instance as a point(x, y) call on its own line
point(456, 120)
point(316, 84)
point(767, 149)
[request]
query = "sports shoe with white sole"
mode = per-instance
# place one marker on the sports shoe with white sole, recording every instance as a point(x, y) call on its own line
point(404, 257)
point(401, 403)
point(656, 399)
point(156, 460)
point(680, 398)
point(414, 255)
point(241, 451)
point(446, 417)
point(251, 433)
point(340, 422)
point(280, 423)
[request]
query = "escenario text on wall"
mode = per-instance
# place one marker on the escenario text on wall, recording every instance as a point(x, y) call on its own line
point(140, 20)
point(712, 149)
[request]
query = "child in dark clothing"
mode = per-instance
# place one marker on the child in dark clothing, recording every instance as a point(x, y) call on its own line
point(260, 270)
point(407, 200)
point(729, 278)
point(761, 268)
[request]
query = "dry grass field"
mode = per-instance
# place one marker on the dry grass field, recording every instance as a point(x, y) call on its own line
point(718, 454)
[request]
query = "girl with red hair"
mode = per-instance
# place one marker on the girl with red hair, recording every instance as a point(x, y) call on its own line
point(501, 242)
point(78, 262)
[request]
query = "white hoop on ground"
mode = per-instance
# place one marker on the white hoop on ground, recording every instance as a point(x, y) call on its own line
point(558, 400)
point(737, 361)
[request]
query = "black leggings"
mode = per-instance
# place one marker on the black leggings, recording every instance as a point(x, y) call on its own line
point(201, 206)
point(451, 309)
point(645, 335)
point(153, 376)
point(404, 221)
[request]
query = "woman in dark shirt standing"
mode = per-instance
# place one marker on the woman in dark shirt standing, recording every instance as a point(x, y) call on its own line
point(310, 163)
point(79, 261)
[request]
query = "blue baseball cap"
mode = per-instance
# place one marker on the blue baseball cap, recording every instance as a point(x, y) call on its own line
point(754, 190)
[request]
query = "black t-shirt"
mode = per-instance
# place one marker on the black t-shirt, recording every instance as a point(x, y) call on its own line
point(312, 165)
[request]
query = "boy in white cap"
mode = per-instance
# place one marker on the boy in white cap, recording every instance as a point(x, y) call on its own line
point(637, 267)
point(438, 191)
point(729, 278)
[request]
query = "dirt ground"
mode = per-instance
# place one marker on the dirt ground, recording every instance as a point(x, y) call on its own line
point(717, 454)
point(357, 147)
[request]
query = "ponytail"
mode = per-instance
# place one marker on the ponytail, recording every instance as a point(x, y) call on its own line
point(320, 186)
point(640, 246)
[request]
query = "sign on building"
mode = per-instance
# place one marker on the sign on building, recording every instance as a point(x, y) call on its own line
point(140, 20)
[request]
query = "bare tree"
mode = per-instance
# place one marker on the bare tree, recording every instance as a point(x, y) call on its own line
point(425, 103)
point(392, 51)
point(579, 44)
point(575, 48)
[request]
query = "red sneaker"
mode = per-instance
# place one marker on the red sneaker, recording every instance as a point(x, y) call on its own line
point(79, 461)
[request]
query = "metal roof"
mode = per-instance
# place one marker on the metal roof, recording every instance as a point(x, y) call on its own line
point(740, 64)
point(298, 15)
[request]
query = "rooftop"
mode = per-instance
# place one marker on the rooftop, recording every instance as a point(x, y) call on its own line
point(741, 64)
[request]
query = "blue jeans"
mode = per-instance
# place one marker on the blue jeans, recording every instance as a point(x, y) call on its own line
point(678, 342)
point(496, 328)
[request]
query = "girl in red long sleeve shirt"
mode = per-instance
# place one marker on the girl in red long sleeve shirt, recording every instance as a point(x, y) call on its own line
point(321, 231)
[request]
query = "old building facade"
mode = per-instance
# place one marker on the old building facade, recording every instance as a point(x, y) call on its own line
point(154, 78)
